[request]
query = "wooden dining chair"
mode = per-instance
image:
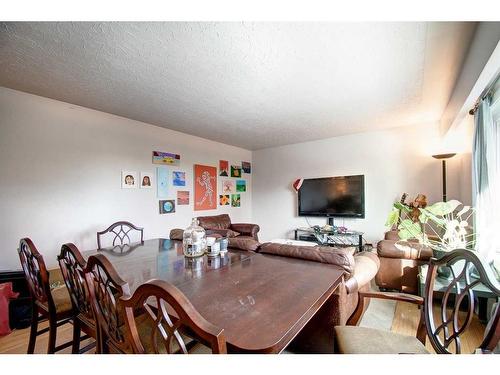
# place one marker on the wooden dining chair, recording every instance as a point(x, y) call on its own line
point(167, 311)
point(72, 266)
point(105, 288)
point(52, 303)
point(444, 329)
point(120, 231)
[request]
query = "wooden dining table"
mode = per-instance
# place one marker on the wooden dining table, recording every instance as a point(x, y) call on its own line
point(261, 301)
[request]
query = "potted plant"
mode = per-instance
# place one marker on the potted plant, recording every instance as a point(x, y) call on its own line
point(443, 226)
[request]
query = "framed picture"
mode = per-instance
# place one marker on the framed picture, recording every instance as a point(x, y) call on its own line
point(167, 206)
point(205, 187)
point(235, 171)
point(166, 158)
point(146, 180)
point(241, 186)
point(246, 166)
point(182, 198)
point(162, 181)
point(224, 200)
point(223, 168)
point(227, 186)
point(179, 178)
point(235, 200)
point(129, 180)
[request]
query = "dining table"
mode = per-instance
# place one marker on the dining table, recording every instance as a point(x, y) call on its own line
point(261, 301)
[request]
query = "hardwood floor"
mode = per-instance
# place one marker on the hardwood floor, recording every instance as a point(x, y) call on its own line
point(405, 322)
point(17, 341)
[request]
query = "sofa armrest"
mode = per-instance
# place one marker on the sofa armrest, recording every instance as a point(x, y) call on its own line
point(366, 265)
point(246, 229)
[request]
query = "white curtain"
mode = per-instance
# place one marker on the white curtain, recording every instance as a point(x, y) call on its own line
point(486, 177)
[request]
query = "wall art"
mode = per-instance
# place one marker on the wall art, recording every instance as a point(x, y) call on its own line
point(241, 186)
point(166, 158)
point(246, 166)
point(179, 178)
point(235, 200)
point(227, 186)
point(146, 180)
point(167, 206)
point(235, 171)
point(182, 197)
point(205, 187)
point(162, 182)
point(223, 168)
point(129, 180)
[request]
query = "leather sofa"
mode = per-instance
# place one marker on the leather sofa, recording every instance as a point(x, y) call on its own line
point(241, 235)
point(359, 270)
point(399, 267)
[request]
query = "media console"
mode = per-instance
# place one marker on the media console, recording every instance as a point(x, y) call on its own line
point(343, 239)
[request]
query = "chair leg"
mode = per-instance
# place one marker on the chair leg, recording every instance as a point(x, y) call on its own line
point(75, 349)
point(33, 330)
point(52, 335)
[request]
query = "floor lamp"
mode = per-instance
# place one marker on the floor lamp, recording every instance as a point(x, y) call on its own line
point(443, 158)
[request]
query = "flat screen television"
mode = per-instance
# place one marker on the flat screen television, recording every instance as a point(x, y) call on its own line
point(333, 197)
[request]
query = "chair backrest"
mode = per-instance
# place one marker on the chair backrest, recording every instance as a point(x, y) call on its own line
point(72, 266)
point(458, 301)
point(167, 310)
point(120, 233)
point(35, 272)
point(105, 288)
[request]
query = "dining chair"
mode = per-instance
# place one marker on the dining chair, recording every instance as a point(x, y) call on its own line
point(72, 266)
point(48, 301)
point(167, 310)
point(445, 329)
point(122, 320)
point(120, 233)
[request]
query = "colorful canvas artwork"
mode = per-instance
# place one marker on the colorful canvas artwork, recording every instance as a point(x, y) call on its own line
point(205, 187)
point(166, 158)
point(224, 200)
point(162, 181)
point(241, 186)
point(235, 171)
point(167, 206)
point(246, 166)
point(129, 180)
point(179, 178)
point(182, 198)
point(146, 180)
point(235, 200)
point(228, 186)
point(223, 168)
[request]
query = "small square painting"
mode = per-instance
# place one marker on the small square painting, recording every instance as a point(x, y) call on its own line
point(235, 171)
point(241, 186)
point(129, 180)
point(167, 206)
point(182, 198)
point(223, 168)
point(228, 186)
point(146, 180)
point(235, 200)
point(246, 166)
point(179, 178)
point(224, 200)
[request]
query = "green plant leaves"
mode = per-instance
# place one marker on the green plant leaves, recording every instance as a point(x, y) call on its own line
point(392, 218)
point(443, 208)
point(408, 229)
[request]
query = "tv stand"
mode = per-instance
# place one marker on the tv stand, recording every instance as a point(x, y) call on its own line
point(342, 239)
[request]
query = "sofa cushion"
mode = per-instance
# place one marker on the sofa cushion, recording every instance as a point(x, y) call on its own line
point(176, 234)
point(215, 222)
point(406, 250)
point(246, 243)
point(324, 254)
point(224, 232)
point(362, 340)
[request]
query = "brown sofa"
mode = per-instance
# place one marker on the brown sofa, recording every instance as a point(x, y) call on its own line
point(241, 236)
point(359, 270)
point(399, 267)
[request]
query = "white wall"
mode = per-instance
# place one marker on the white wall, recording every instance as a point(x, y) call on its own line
point(60, 168)
point(393, 162)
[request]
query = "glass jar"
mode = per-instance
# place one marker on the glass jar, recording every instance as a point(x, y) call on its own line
point(194, 240)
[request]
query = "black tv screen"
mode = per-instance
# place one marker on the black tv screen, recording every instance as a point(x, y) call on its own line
point(333, 197)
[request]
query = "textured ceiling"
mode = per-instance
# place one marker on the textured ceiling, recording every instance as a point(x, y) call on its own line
point(253, 85)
